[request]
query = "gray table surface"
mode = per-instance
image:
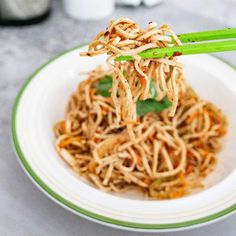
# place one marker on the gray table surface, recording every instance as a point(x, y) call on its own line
point(25, 210)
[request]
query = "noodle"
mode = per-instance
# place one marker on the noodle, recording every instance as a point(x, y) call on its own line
point(166, 154)
point(125, 37)
point(166, 149)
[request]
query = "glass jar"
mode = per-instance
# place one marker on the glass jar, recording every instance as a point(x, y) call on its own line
point(23, 12)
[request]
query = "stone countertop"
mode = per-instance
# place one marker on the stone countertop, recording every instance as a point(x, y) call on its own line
point(25, 210)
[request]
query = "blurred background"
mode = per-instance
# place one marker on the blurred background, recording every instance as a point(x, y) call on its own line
point(33, 31)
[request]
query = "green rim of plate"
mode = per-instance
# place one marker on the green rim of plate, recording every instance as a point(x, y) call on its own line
point(83, 212)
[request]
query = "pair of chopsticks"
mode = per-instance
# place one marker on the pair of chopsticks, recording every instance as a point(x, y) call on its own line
point(191, 47)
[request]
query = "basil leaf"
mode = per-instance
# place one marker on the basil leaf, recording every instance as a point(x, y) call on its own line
point(104, 85)
point(143, 106)
point(151, 105)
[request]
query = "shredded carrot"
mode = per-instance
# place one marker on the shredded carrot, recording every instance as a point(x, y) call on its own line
point(139, 160)
point(189, 154)
point(92, 92)
point(189, 169)
point(142, 81)
point(144, 69)
point(211, 117)
point(178, 193)
point(203, 152)
point(68, 141)
point(221, 132)
point(182, 178)
point(148, 181)
point(106, 109)
point(192, 117)
point(200, 144)
point(62, 125)
point(131, 123)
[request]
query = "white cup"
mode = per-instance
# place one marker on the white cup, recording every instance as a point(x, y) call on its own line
point(89, 9)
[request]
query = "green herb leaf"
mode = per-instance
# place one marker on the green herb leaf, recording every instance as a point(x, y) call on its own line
point(152, 105)
point(143, 106)
point(104, 85)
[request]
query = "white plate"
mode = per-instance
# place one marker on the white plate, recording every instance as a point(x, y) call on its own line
point(41, 102)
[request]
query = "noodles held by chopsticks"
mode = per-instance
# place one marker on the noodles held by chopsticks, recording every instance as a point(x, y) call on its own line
point(124, 37)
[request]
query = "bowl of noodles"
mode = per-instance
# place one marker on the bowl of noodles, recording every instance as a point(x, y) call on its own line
point(143, 144)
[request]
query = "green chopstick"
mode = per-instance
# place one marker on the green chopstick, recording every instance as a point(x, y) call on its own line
point(207, 35)
point(188, 49)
